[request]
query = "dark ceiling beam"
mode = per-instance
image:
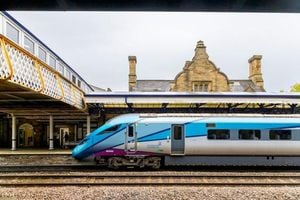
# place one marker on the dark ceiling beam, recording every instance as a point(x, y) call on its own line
point(282, 6)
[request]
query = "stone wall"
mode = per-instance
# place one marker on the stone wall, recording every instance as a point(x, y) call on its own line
point(200, 71)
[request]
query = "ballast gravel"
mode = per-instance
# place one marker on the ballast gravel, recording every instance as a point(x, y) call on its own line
point(147, 193)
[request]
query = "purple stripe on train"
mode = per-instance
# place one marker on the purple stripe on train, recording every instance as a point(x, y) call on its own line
point(122, 152)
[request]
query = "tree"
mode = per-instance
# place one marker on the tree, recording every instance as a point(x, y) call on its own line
point(295, 87)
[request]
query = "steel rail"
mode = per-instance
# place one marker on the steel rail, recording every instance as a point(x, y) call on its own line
point(146, 180)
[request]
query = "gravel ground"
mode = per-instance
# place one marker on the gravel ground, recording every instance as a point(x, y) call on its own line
point(149, 193)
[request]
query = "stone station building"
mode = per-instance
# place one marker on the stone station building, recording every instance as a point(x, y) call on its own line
point(200, 75)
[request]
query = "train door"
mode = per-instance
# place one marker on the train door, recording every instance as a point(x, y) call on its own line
point(177, 140)
point(130, 139)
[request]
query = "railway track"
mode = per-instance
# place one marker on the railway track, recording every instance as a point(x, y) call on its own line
point(149, 179)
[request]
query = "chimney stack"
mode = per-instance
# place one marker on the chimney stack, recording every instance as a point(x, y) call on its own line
point(255, 74)
point(132, 73)
point(200, 51)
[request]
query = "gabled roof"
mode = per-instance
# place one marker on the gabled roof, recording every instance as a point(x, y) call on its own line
point(153, 85)
point(244, 86)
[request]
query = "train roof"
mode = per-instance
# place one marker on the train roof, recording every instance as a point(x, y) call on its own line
point(218, 118)
point(205, 118)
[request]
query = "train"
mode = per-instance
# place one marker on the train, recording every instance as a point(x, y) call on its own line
point(155, 140)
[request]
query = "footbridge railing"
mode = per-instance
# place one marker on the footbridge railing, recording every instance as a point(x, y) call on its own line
point(18, 66)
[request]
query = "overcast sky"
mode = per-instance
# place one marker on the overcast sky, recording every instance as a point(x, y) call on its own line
point(97, 44)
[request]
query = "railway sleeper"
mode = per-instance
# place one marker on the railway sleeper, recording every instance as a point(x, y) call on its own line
point(131, 161)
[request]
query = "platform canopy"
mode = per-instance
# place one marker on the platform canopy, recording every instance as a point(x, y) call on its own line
point(122, 102)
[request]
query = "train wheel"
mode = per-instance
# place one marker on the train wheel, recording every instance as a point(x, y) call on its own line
point(115, 162)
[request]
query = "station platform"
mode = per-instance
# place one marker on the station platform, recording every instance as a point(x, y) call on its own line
point(26, 151)
point(37, 157)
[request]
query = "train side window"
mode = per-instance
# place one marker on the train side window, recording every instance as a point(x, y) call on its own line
point(130, 131)
point(280, 135)
point(210, 125)
point(177, 132)
point(218, 134)
point(249, 134)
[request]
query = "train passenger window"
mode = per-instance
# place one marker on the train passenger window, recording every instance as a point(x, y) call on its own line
point(249, 134)
point(42, 54)
point(177, 132)
point(280, 135)
point(12, 33)
point(210, 125)
point(218, 134)
point(52, 62)
point(78, 83)
point(130, 131)
point(28, 44)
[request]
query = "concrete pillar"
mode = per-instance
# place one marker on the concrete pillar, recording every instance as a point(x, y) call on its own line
point(51, 146)
point(88, 124)
point(14, 135)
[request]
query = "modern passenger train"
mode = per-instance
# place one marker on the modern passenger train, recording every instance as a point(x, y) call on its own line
point(190, 139)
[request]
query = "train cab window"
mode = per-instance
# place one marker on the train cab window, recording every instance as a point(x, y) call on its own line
point(12, 33)
point(249, 134)
point(112, 129)
point(177, 132)
point(109, 130)
point(83, 141)
point(28, 44)
point(218, 134)
point(280, 135)
point(130, 131)
point(42, 54)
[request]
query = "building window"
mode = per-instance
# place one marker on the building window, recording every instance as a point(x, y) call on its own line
point(280, 135)
point(52, 62)
point(60, 68)
point(42, 54)
point(249, 134)
point(74, 79)
point(12, 33)
point(28, 44)
point(78, 83)
point(201, 86)
point(218, 134)
point(68, 74)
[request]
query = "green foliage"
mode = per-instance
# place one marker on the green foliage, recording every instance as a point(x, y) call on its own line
point(295, 87)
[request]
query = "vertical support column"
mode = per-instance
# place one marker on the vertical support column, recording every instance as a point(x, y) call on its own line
point(14, 135)
point(75, 133)
point(51, 133)
point(88, 124)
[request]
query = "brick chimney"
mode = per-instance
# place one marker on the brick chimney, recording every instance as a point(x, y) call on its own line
point(132, 73)
point(255, 74)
